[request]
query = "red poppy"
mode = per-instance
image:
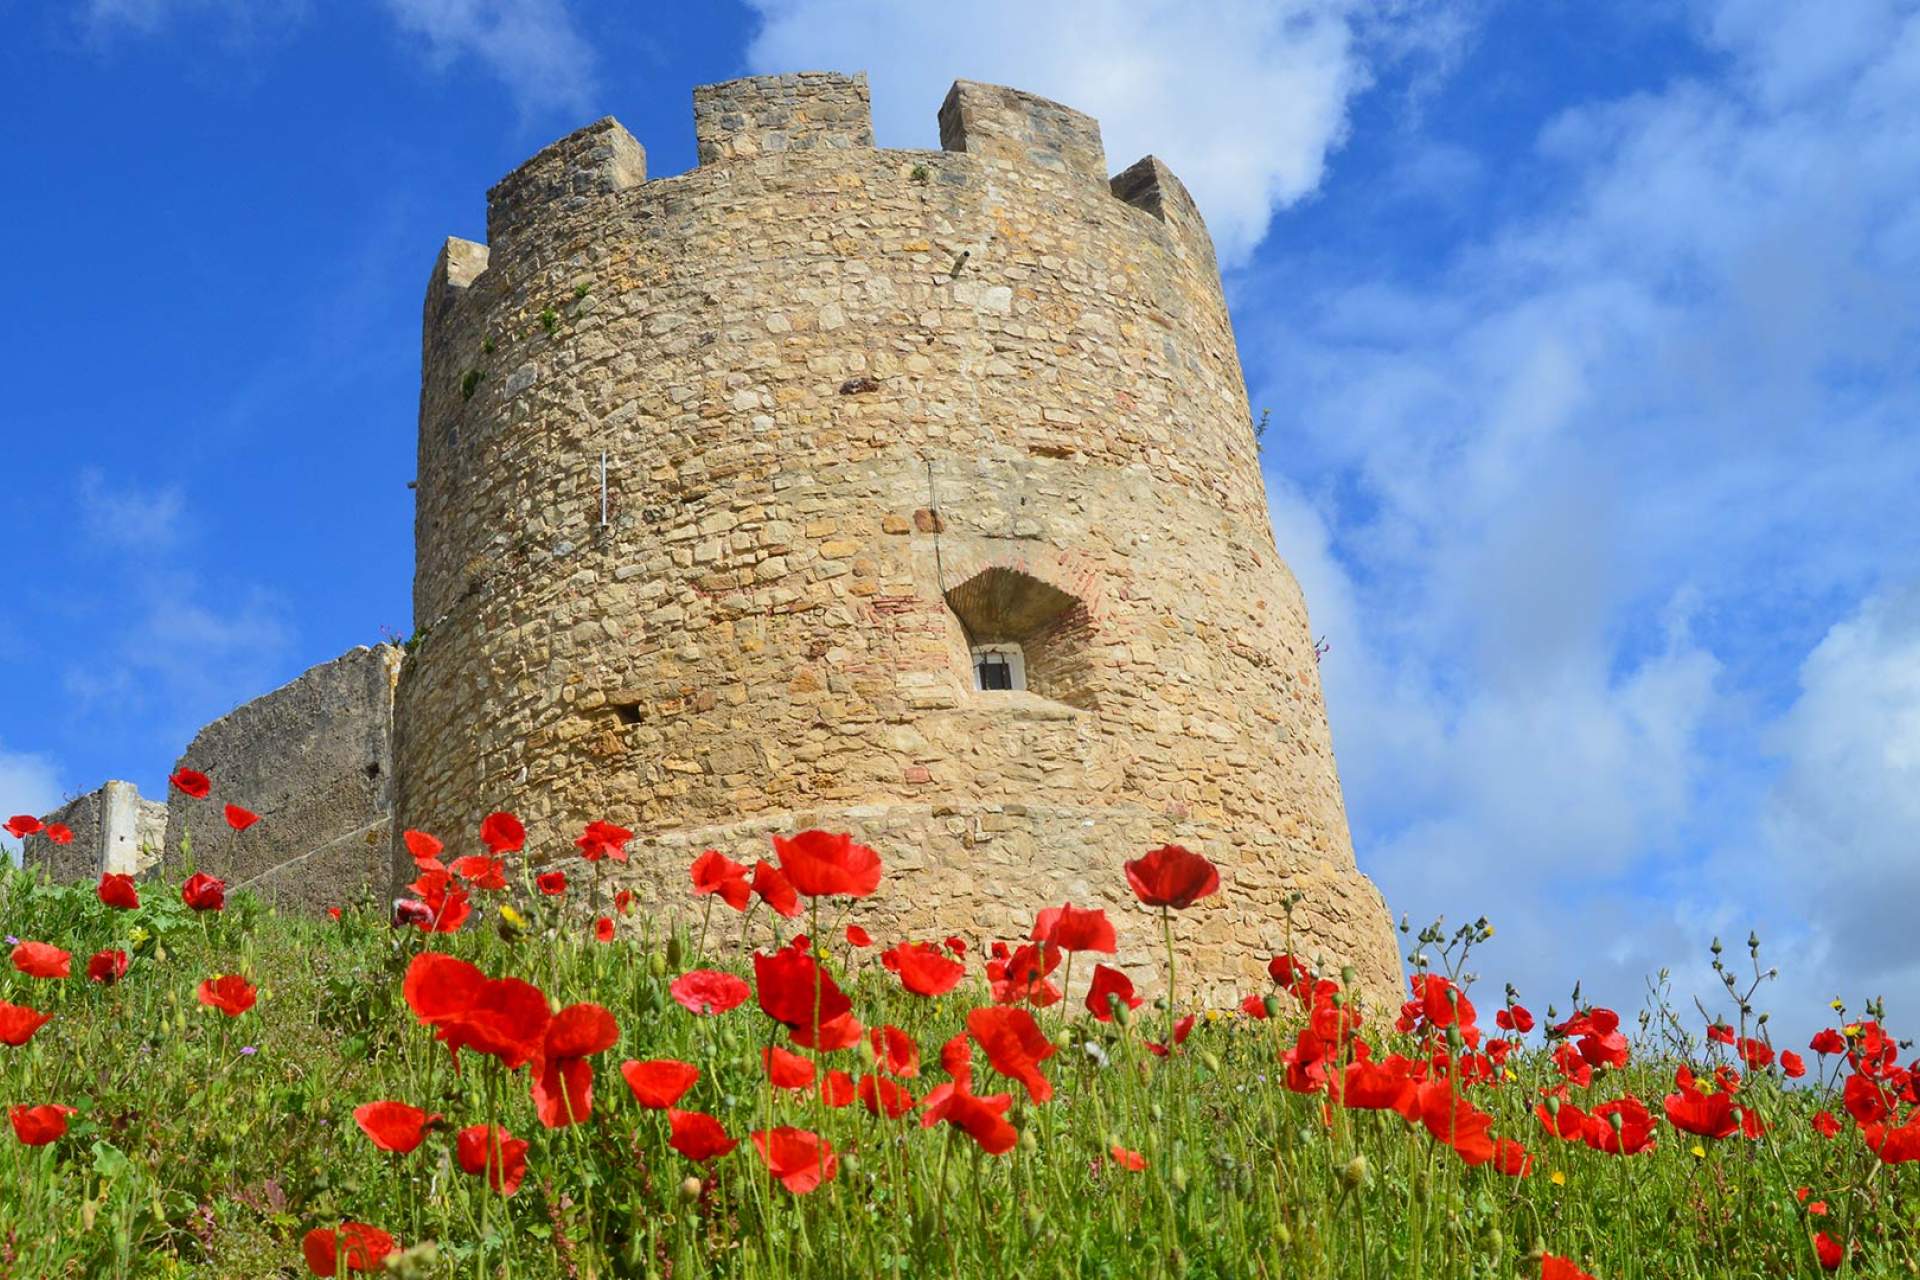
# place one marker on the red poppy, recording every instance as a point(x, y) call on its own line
point(1895, 1145)
point(1129, 1160)
point(894, 1052)
point(42, 960)
point(697, 1135)
point(842, 1032)
point(982, 1119)
point(443, 906)
point(562, 1076)
point(37, 1126)
point(1792, 1065)
point(117, 891)
point(709, 991)
point(1456, 1122)
point(1181, 1030)
point(858, 937)
point(801, 1160)
point(1828, 1041)
point(504, 1018)
point(353, 1246)
point(1599, 1043)
point(822, 864)
point(393, 1126)
point(480, 871)
point(1710, 1115)
point(21, 825)
point(1072, 928)
point(881, 1096)
point(714, 872)
point(603, 929)
point(956, 1059)
point(1108, 986)
point(1381, 1086)
point(1866, 1101)
point(1022, 976)
point(775, 889)
point(1554, 1267)
point(1825, 1125)
point(956, 945)
point(786, 1070)
point(923, 970)
point(551, 883)
point(107, 967)
point(192, 782)
point(1254, 1007)
point(1635, 1131)
point(1828, 1250)
point(18, 1023)
point(836, 1088)
point(659, 1083)
point(1757, 1054)
point(58, 832)
point(203, 892)
point(501, 1155)
point(623, 901)
point(230, 993)
point(1514, 1018)
point(603, 840)
point(1015, 1047)
point(240, 819)
point(502, 833)
point(1171, 876)
point(421, 846)
point(1719, 1033)
point(794, 990)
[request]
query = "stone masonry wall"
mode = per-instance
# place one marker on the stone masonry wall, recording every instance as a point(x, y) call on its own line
point(113, 830)
point(833, 387)
point(314, 759)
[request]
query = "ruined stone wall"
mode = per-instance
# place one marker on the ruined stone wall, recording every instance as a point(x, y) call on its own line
point(858, 407)
point(314, 759)
point(113, 830)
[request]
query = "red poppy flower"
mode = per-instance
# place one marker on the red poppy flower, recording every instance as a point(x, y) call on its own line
point(697, 1135)
point(203, 892)
point(240, 819)
point(1022, 976)
point(1825, 1125)
point(551, 883)
point(562, 1076)
point(894, 1052)
point(881, 1096)
point(393, 1126)
point(714, 872)
point(355, 1244)
point(709, 991)
point(42, 960)
point(421, 846)
point(1866, 1101)
point(842, 1032)
point(956, 945)
point(786, 1070)
point(192, 782)
point(21, 825)
point(1456, 1122)
point(1015, 1047)
point(117, 891)
point(1129, 1160)
point(501, 1155)
point(623, 901)
point(836, 1088)
point(801, 1160)
point(107, 967)
point(1555, 1267)
point(775, 889)
point(1895, 1145)
point(923, 970)
point(58, 832)
point(1110, 985)
point(1828, 1250)
point(230, 993)
point(18, 1023)
point(1514, 1018)
point(480, 871)
point(1380, 1086)
point(37, 1126)
point(1634, 1135)
point(502, 1017)
point(1071, 928)
point(603, 840)
point(858, 937)
point(659, 1083)
point(603, 929)
point(1828, 1041)
point(796, 991)
point(1708, 1115)
point(1792, 1065)
point(1171, 876)
point(982, 1119)
point(502, 833)
point(821, 864)
point(1757, 1054)
point(443, 906)
point(1181, 1030)
point(1719, 1033)
point(956, 1059)
point(1254, 1007)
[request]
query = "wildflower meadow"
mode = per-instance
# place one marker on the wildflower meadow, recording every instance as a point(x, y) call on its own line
point(516, 1073)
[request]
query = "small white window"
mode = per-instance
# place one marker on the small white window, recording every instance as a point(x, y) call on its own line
point(999, 666)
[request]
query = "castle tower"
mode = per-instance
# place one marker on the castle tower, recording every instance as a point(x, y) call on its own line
point(911, 493)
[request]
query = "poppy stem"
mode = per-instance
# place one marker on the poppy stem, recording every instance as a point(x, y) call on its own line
point(700, 948)
point(1166, 924)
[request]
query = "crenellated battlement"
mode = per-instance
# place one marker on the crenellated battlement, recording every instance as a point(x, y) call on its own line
point(588, 164)
point(997, 123)
point(768, 115)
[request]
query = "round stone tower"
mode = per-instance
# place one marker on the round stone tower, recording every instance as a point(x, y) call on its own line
point(911, 493)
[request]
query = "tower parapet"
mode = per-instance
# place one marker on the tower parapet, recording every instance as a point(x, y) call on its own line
point(912, 493)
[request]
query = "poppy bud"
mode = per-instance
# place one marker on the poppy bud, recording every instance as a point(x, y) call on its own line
point(868, 1054)
point(690, 1189)
point(1063, 1039)
point(1272, 1006)
point(1454, 1039)
point(1354, 1174)
point(1160, 1003)
point(1028, 1141)
point(1122, 1012)
point(657, 965)
point(673, 952)
point(1157, 1114)
point(1553, 1105)
point(1179, 1177)
point(1347, 976)
point(1209, 1061)
point(1614, 1118)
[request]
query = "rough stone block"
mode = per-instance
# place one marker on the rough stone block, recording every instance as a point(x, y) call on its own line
point(999, 123)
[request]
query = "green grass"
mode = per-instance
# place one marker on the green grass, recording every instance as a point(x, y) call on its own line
point(192, 1156)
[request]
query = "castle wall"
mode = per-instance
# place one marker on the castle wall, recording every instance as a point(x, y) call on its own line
point(833, 386)
point(113, 830)
point(314, 759)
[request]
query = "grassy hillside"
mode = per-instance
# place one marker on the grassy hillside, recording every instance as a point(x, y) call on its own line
point(1319, 1141)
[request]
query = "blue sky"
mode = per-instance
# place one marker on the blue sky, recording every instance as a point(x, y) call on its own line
point(1588, 333)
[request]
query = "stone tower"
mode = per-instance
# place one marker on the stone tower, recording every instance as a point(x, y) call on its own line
point(742, 493)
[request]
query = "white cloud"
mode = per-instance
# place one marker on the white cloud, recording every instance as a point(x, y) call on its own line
point(122, 514)
point(531, 45)
point(1573, 501)
point(1243, 99)
point(29, 783)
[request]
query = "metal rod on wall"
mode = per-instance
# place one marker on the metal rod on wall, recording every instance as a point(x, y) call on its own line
point(603, 488)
